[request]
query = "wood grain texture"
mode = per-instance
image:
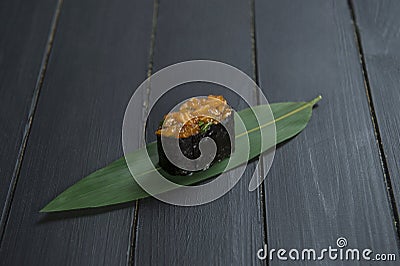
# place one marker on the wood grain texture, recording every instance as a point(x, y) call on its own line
point(379, 27)
point(328, 181)
point(228, 231)
point(99, 57)
point(24, 31)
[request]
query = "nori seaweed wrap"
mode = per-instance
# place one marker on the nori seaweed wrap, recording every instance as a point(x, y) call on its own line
point(196, 119)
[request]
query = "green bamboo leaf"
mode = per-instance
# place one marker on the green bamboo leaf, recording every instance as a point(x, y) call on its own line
point(114, 184)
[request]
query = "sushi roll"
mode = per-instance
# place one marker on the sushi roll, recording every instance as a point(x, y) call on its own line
point(196, 119)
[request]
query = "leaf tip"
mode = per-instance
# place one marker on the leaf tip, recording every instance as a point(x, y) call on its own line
point(44, 210)
point(317, 99)
point(47, 208)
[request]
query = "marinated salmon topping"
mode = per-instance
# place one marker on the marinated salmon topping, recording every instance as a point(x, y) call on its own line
point(195, 116)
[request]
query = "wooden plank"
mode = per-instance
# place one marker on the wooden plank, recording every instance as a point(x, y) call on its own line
point(24, 31)
point(228, 231)
point(99, 57)
point(378, 23)
point(328, 181)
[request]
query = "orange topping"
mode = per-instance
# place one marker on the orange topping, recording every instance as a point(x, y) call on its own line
point(194, 116)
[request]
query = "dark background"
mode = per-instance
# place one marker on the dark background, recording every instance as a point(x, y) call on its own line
point(68, 69)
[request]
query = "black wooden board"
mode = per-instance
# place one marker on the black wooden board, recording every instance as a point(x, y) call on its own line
point(379, 23)
point(24, 31)
point(328, 181)
point(100, 55)
point(228, 231)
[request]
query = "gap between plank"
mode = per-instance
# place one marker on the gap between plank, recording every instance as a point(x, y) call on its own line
point(263, 204)
point(381, 151)
point(134, 225)
point(35, 98)
point(131, 251)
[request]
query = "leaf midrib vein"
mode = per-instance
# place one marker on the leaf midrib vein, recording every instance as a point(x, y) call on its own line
point(304, 106)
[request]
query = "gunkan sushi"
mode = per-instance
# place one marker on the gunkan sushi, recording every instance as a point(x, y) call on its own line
point(196, 119)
